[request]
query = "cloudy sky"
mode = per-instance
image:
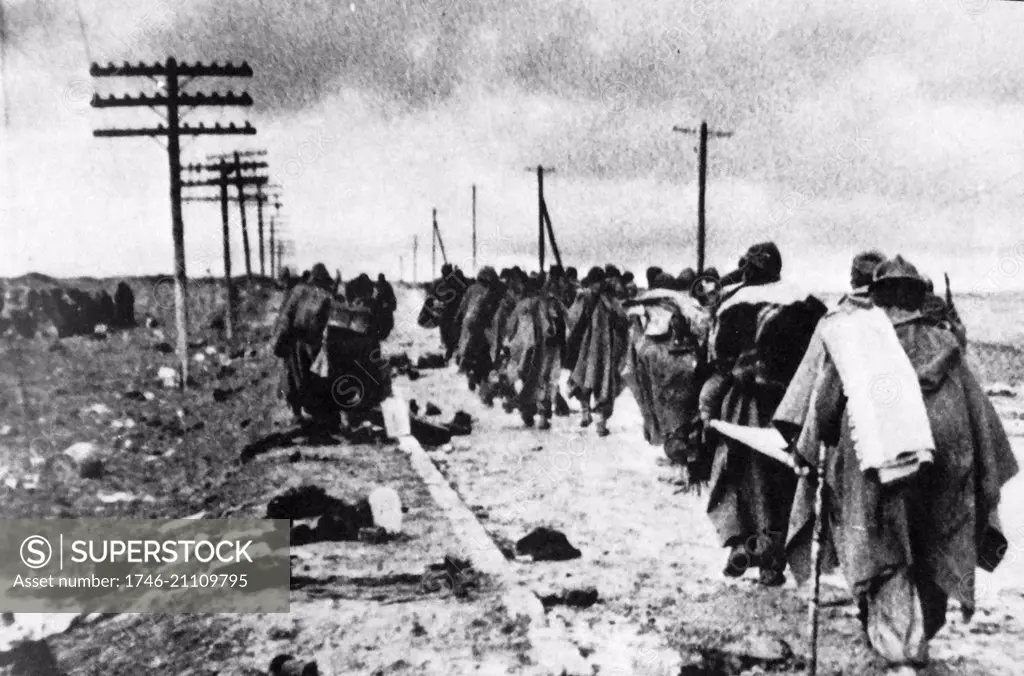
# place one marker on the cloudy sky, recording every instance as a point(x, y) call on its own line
point(896, 124)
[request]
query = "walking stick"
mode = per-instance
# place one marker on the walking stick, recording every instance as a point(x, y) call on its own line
point(816, 557)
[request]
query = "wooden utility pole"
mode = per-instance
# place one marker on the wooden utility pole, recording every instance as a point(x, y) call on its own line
point(540, 215)
point(172, 102)
point(474, 228)
point(259, 225)
point(544, 219)
point(415, 257)
point(433, 247)
point(440, 240)
point(703, 132)
point(273, 224)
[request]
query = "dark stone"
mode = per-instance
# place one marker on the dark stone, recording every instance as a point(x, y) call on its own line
point(304, 502)
point(163, 347)
point(546, 544)
point(32, 658)
point(461, 424)
point(574, 598)
point(428, 433)
point(220, 394)
point(133, 395)
point(302, 535)
point(433, 360)
point(343, 521)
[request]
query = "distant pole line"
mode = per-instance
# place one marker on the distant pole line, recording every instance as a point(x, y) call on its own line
point(172, 101)
point(223, 180)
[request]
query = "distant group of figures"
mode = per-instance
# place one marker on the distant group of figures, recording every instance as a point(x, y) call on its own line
point(27, 310)
point(328, 334)
point(915, 455)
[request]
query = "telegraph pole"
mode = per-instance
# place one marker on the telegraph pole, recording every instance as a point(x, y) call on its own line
point(703, 132)
point(440, 240)
point(544, 219)
point(415, 257)
point(273, 223)
point(474, 228)
point(259, 224)
point(433, 247)
point(172, 102)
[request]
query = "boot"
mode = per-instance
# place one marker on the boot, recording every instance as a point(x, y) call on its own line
point(738, 562)
point(586, 418)
point(602, 427)
point(527, 419)
point(545, 423)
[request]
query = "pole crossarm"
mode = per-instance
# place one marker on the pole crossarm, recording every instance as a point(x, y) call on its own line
point(691, 130)
point(158, 69)
point(224, 166)
point(183, 130)
point(149, 100)
point(245, 180)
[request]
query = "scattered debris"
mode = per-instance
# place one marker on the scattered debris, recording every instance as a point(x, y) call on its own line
point(163, 347)
point(748, 652)
point(1000, 390)
point(211, 350)
point(547, 544)
point(168, 377)
point(453, 573)
point(432, 409)
point(461, 424)
point(428, 433)
point(133, 395)
point(98, 409)
point(431, 360)
point(286, 665)
point(221, 394)
point(122, 496)
point(304, 502)
point(386, 509)
point(148, 396)
point(374, 535)
point(31, 658)
point(574, 598)
point(199, 358)
point(343, 522)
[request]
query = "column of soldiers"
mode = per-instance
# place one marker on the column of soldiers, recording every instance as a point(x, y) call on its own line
point(748, 348)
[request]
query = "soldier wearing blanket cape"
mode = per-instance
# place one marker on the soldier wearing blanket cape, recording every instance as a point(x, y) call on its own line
point(596, 345)
point(664, 365)
point(757, 338)
point(915, 460)
point(533, 337)
point(473, 353)
point(298, 335)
